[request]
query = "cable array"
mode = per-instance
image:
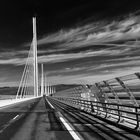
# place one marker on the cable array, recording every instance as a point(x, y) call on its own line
point(26, 86)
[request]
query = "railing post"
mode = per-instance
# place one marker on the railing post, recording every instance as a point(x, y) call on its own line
point(92, 107)
point(105, 109)
point(84, 104)
point(97, 108)
point(137, 118)
point(119, 114)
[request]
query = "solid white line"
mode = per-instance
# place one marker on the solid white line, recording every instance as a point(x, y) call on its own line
point(15, 117)
point(50, 104)
point(71, 131)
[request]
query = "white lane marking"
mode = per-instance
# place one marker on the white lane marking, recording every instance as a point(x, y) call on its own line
point(71, 131)
point(8, 123)
point(15, 117)
point(50, 104)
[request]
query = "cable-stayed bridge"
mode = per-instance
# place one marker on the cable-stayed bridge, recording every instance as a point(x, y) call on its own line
point(107, 110)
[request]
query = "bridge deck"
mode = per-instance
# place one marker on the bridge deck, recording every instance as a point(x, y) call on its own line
point(43, 119)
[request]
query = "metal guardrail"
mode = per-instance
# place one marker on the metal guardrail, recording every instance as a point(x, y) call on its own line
point(115, 99)
point(120, 114)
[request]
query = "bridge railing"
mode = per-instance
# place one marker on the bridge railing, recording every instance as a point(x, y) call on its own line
point(126, 115)
point(117, 98)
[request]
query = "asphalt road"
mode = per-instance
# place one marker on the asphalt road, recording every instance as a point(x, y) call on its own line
point(31, 120)
point(48, 119)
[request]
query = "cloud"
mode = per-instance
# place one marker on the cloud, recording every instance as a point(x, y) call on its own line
point(67, 57)
point(91, 51)
point(95, 33)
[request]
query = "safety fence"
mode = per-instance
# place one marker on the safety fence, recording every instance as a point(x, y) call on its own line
point(116, 99)
point(125, 115)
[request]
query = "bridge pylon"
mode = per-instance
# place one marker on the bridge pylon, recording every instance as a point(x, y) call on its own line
point(35, 57)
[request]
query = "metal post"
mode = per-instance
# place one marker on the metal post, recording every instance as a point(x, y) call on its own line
point(137, 118)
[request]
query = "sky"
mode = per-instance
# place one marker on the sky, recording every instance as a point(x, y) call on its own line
point(83, 41)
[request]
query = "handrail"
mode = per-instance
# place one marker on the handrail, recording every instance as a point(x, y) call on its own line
point(120, 113)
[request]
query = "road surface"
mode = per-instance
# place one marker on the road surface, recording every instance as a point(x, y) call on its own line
point(47, 119)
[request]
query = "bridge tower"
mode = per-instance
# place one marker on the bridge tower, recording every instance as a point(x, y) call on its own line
point(28, 85)
point(35, 57)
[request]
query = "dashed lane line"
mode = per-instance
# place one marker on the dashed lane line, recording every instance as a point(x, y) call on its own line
point(15, 117)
